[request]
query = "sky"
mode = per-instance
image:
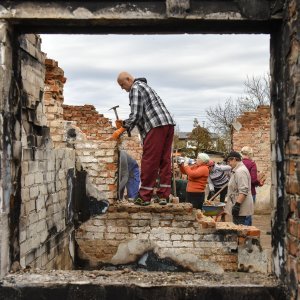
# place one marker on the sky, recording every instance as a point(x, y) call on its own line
point(190, 72)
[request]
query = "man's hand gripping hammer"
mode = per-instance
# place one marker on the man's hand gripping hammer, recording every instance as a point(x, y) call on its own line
point(118, 122)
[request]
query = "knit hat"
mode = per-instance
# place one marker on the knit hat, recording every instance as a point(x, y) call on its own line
point(203, 157)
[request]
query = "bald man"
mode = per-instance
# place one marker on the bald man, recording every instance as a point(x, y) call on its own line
point(156, 127)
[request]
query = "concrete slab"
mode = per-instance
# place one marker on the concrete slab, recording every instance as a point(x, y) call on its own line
point(127, 284)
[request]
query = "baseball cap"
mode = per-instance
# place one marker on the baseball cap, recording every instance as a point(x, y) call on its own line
point(234, 154)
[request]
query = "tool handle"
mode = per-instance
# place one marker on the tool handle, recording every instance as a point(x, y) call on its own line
point(218, 193)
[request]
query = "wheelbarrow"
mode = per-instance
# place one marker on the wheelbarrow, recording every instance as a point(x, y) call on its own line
point(213, 210)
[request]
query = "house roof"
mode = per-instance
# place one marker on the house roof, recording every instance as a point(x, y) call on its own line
point(183, 135)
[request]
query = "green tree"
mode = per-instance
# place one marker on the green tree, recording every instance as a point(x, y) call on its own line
point(177, 143)
point(199, 139)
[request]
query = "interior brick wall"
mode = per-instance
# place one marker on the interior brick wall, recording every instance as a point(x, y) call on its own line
point(46, 182)
point(171, 231)
point(93, 124)
point(95, 155)
point(97, 128)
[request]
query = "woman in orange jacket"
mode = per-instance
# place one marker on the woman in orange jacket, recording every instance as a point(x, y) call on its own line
point(197, 180)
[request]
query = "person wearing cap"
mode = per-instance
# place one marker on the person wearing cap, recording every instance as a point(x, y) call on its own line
point(239, 199)
point(218, 178)
point(156, 127)
point(197, 180)
point(247, 154)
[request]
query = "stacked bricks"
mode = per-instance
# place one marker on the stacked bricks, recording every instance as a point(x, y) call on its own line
point(172, 228)
point(53, 101)
point(94, 125)
point(44, 236)
point(255, 132)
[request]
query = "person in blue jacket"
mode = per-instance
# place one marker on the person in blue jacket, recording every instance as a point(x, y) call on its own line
point(129, 176)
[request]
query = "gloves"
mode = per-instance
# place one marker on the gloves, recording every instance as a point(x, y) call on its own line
point(180, 160)
point(236, 209)
point(117, 133)
point(210, 194)
point(119, 123)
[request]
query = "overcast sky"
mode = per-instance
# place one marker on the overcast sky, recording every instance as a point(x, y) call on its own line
point(189, 72)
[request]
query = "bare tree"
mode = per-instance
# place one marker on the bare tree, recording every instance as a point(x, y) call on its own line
point(257, 92)
point(221, 117)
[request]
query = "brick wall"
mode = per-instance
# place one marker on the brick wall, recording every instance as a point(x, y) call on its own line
point(93, 124)
point(98, 159)
point(53, 99)
point(178, 232)
point(286, 149)
point(97, 128)
point(85, 130)
point(44, 224)
point(45, 221)
point(255, 132)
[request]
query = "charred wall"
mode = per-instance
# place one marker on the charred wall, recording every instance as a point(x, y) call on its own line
point(285, 129)
point(279, 18)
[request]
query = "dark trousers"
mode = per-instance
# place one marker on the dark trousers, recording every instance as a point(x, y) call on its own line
point(248, 220)
point(196, 199)
point(239, 220)
point(156, 162)
point(222, 194)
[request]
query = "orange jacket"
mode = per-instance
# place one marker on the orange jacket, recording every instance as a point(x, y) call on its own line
point(197, 177)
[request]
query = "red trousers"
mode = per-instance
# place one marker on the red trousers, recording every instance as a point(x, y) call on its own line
point(156, 162)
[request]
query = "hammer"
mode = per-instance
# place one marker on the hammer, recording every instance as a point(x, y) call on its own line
point(117, 117)
point(115, 110)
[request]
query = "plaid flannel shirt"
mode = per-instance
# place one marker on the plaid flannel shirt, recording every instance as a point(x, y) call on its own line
point(147, 109)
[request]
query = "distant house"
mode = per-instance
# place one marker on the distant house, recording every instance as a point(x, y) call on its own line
point(215, 155)
point(184, 136)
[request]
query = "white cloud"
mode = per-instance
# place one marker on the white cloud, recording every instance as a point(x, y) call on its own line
point(189, 72)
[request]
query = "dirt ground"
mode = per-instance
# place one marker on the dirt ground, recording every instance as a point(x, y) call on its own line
point(263, 222)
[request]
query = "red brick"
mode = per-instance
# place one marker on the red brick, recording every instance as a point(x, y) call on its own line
point(293, 246)
point(253, 232)
point(293, 227)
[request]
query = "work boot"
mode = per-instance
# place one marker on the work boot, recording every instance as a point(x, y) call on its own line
point(140, 201)
point(162, 201)
point(155, 199)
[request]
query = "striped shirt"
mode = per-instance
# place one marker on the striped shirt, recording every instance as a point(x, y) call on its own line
point(218, 176)
point(147, 109)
